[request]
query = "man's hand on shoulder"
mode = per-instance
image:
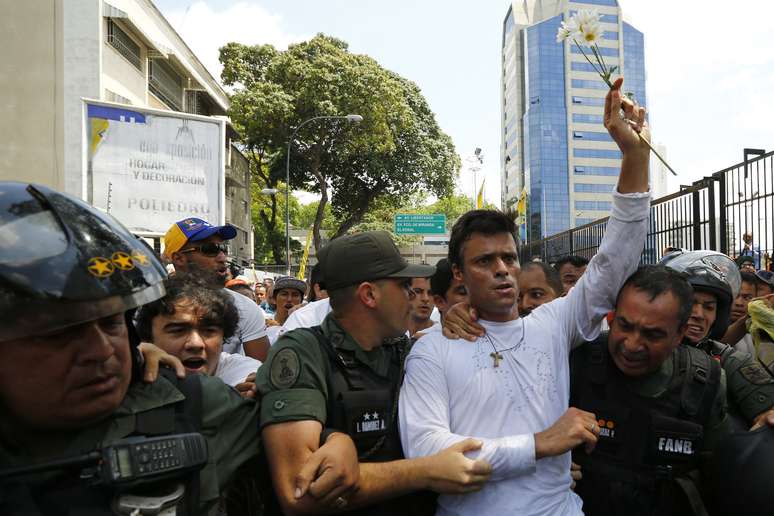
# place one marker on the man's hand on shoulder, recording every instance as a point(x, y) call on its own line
point(460, 322)
point(153, 356)
point(451, 472)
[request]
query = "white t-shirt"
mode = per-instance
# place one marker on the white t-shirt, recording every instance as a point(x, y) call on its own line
point(234, 368)
point(308, 316)
point(452, 390)
point(273, 332)
point(251, 326)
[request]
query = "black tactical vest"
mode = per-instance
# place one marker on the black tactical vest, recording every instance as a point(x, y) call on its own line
point(364, 406)
point(648, 450)
point(64, 494)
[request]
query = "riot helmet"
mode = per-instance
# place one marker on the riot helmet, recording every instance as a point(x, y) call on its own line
point(713, 272)
point(63, 263)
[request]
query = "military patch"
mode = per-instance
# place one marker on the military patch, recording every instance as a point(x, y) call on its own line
point(285, 369)
point(756, 374)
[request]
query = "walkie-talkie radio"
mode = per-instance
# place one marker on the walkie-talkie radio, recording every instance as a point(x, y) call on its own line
point(130, 461)
point(136, 459)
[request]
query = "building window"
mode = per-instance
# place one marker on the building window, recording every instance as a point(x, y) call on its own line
point(596, 171)
point(165, 83)
point(593, 188)
point(611, 3)
point(591, 136)
point(594, 205)
point(123, 44)
point(597, 153)
point(112, 96)
point(589, 101)
point(605, 51)
point(604, 18)
point(594, 85)
point(584, 118)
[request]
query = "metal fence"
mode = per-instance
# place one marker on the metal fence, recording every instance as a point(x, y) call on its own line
point(712, 213)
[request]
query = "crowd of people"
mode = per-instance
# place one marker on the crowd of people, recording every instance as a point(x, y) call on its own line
point(476, 386)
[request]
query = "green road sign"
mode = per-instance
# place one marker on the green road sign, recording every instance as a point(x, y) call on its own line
point(418, 224)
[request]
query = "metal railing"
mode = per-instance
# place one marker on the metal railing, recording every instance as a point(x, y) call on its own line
point(165, 84)
point(125, 46)
point(713, 213)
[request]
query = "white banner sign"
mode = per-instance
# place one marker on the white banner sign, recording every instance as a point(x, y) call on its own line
point(151, 170)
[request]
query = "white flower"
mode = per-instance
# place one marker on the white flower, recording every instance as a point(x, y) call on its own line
point(568, 29)
point(586, 17)
point(590, 34)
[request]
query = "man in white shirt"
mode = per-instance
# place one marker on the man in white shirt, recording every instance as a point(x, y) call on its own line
point(191, 323)
point(287, 293)
point(510, 388)
point(197, 247)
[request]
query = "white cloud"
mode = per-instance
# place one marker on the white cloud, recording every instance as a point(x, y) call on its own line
point(205, 30)
point(709, 66)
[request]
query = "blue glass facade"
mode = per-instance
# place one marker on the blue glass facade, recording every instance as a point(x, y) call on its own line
point(611, 3)
point(634, 63)
point(546, 130)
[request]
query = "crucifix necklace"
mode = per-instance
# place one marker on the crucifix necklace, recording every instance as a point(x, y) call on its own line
point(497, 357)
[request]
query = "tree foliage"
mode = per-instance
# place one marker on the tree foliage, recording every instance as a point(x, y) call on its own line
point(397, 150)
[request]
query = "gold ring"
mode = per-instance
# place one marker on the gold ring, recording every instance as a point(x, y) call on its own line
point(340, 502)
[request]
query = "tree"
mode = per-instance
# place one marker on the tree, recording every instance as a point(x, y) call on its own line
point(268, 213)
point(396, 151)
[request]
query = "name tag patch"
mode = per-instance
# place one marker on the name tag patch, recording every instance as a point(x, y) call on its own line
point(370, 421)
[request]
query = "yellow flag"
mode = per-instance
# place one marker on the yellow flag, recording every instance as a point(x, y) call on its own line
point(305, 258)
point(480, 198)
point(521, 207)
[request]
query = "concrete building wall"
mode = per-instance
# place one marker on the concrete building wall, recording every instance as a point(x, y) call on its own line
point(31, 145)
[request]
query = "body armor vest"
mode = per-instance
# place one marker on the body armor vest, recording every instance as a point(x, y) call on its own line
point(647, 455)
point(65, 494)
point(364, 406)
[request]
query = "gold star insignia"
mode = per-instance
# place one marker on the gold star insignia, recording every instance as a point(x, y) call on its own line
point(100, 267)
point(123, 261)
point(140, 258)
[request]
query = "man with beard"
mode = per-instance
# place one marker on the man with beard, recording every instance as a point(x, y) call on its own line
point(191, 322)
point(421, 306)
point(194, 246)
point(510, 389)
point(287, 293)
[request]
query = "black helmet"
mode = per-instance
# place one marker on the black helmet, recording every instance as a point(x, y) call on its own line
point(63, 262)
point(713, 272)
point(741, 473)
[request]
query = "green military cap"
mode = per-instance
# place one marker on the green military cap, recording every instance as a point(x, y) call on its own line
point(367, 256)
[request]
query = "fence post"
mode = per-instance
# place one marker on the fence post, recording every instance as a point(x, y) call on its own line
point(723, 218)
point(713, 242)
point(696, 218)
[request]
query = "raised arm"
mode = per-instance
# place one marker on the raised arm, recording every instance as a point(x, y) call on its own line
point(619, 253)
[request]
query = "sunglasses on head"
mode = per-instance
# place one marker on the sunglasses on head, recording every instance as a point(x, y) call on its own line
point(210, 249)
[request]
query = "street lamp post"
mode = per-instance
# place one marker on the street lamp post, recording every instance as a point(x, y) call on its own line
point(349, 118)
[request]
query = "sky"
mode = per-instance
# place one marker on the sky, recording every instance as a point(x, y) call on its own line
point(709, 65)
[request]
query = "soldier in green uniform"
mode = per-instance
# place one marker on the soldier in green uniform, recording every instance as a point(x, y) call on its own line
point(71, 382)
point(716, 281)
point(345, 376)
point(660, 406)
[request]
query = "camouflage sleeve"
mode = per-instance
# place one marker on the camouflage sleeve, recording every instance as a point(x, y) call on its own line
point(750, 386)
point(230, 426)
point(292, 383)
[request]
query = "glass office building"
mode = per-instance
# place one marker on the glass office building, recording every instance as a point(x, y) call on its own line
point(553, 139)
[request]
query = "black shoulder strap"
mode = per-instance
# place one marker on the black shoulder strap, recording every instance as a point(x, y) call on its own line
point(342, 360)
point(701, 381)
point(588, 369)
